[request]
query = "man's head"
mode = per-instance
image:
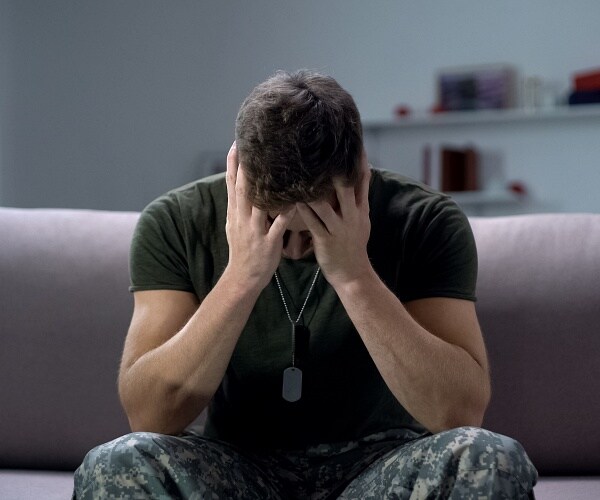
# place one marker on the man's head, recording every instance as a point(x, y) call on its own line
point(295, 132)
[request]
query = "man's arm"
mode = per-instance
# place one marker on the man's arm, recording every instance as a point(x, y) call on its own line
point(177, 349)
point(430, 352)
point(176, 353)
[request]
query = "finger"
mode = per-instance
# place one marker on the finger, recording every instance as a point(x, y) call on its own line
point(258, 219)
point(282, 221)
point(325, 212)
point(345, 195)
point(313, 222)
point(231, 175)
point(241, 192)
point(362, 196)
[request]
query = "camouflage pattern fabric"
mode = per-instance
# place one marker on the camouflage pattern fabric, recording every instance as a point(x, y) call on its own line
point(464, 463)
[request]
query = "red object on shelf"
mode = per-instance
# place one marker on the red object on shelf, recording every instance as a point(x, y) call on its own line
point(517, 187)
point(437, 108)
point(589, 80)
point(402, 110)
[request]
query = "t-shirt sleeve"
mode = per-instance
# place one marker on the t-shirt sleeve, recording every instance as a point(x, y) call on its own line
point(444, 262)
point(158, 258)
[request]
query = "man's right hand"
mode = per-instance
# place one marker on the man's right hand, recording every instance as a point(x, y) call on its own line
point(255, 244)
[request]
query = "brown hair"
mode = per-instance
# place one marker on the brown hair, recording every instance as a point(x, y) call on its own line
point(294, 133)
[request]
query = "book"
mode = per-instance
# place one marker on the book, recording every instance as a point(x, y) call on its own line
point(489, 86)
point(584, 97)
point(459, 169)
point(589, 80)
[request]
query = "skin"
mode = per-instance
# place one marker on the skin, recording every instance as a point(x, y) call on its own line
point(430, 352)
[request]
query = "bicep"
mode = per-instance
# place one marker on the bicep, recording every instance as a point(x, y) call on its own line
point(453, 321)
point(157, 316)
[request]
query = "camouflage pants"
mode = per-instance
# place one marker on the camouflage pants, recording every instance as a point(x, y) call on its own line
point(464, 463)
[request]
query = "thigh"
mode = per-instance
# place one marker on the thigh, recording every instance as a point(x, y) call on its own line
point(149, 465)
point(461, 463)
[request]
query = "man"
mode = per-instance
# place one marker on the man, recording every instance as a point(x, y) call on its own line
point(322, 311)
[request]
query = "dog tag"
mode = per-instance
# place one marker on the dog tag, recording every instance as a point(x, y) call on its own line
point(292, 384)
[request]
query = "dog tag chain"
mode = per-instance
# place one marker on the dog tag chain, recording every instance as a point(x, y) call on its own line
point(292, 376)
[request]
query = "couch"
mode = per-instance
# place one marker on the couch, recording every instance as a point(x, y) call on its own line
point(65, 309)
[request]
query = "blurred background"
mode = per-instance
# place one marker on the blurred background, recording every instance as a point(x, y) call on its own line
point(108, 104)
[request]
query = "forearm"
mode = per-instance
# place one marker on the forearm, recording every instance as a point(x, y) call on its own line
point(165, 389)
point(440, 384)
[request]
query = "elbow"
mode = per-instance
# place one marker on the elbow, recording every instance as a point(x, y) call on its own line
point(456, 420)
point(169, 415)
point(141, 421)
point(146, 420)
point(141, 424)
point(463, 419)
point(466, 414)
point(143, 418)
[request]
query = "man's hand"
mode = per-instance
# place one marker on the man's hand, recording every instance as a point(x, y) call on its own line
point(255, 244)
point(340, 236)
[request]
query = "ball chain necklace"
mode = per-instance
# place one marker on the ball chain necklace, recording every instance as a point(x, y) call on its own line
point(292, 376)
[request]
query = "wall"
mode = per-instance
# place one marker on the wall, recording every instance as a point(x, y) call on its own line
point(6, 51)
point(114, 102)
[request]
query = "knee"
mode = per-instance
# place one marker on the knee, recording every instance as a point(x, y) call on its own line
point(124, 452)
point(479, 449)
point(113, 468)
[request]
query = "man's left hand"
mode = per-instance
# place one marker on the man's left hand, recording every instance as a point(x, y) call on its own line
point(340, 235)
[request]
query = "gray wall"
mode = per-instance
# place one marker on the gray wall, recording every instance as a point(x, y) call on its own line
point(6, 51)
point(107, 104)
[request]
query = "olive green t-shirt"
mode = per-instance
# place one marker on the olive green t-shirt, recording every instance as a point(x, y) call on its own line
point(421, 245)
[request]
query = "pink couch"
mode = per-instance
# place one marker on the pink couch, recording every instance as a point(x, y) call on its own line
point(66, 308)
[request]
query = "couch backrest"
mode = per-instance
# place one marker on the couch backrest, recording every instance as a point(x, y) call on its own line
point(539, 308)
point(65, 309)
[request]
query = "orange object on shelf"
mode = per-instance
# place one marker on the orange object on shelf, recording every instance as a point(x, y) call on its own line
point(588, 80)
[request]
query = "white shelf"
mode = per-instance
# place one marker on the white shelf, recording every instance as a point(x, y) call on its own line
point(453, 118)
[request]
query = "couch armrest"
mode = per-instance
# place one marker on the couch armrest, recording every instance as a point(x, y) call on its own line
point(65, 312)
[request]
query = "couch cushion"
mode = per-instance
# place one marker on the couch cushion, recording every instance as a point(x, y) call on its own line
point(539, 307)
point(65, 311)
